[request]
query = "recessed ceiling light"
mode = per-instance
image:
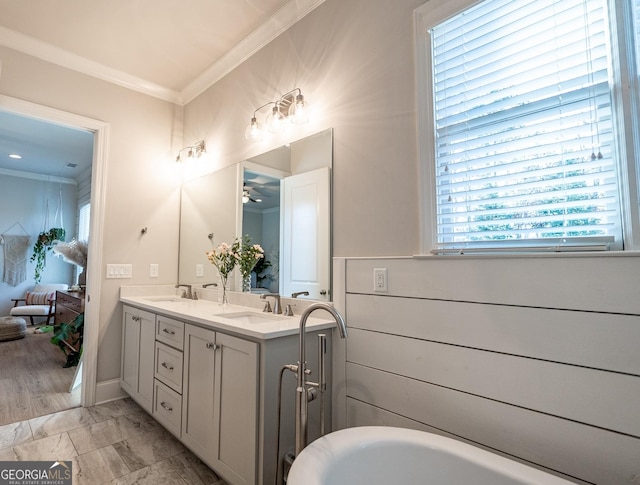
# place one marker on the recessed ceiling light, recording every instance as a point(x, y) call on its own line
point(15, 155)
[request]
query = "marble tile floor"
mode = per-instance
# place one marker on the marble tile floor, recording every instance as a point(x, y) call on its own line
point(115, 443)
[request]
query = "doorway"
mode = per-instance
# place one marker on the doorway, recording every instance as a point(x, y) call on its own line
point(99, 130)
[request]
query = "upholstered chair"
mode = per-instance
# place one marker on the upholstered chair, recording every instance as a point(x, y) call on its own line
point(38, 302)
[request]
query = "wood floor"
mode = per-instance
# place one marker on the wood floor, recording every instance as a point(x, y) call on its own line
point(33, 382)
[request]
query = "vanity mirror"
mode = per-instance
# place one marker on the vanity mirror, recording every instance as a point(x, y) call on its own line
point(281, 199)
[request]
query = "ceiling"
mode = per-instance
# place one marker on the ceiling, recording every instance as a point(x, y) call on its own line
point(46, 148)
point(169, 49)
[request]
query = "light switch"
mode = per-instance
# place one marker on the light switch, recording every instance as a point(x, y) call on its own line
point(119, 270)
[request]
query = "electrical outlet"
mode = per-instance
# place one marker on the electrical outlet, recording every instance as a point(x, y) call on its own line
point(380, 276)
point(153, 270)
point(199, 270)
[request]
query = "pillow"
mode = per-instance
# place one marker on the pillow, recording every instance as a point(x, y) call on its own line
point(36, 298)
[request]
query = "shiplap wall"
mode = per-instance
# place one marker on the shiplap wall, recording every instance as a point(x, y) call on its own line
point(537, 358)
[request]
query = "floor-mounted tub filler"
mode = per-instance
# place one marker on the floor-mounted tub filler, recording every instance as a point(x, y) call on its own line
point(372, 455)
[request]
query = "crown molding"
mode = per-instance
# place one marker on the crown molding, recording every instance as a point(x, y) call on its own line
point(284, 18)
point(37, 176)
point(47, 52)
point(279, 22)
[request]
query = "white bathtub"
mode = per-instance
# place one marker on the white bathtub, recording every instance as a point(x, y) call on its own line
point(372, 455)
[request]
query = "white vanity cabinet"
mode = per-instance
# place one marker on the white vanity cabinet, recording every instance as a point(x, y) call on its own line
point(136, 367)
point(216, 389)
point(220, 402)
point(168, 367)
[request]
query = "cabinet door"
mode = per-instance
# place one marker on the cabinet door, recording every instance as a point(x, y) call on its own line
point(236, 409)
point(138, 343)
point(197, 391)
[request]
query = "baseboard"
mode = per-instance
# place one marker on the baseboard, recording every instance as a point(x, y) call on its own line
point(109, 391)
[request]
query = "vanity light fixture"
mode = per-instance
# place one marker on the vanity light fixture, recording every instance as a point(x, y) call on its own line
point(194, 151)
point(290, 107)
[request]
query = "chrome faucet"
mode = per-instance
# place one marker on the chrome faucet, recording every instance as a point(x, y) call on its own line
point(186, 293)
point(301, 371)
point(298, 293)
point(207, 285)
point(276, 301)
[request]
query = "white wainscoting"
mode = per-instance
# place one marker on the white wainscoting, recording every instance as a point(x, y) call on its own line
point(536, 358)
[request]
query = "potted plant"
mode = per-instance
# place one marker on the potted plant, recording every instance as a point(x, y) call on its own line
point(44, 243)
point(68, 336)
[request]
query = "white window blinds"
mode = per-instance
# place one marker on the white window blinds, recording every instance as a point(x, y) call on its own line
point(525, 152)
point(84, 222)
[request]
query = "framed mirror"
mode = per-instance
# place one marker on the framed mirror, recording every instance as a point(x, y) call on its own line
point(281, 199)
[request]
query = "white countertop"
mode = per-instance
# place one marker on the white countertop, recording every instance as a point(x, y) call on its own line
point(212, 314)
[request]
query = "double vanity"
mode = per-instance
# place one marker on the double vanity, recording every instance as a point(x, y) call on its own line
point(210, 373)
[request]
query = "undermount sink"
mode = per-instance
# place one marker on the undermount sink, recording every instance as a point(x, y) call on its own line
point(252, 317)
point(166, 298)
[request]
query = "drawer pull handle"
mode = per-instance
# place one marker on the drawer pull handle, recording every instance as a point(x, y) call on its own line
point(167, 366)
point(166, 406)
point(170, 332)
point(211, 345)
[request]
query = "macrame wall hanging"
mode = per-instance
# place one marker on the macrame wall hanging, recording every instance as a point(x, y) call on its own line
point(15, 248)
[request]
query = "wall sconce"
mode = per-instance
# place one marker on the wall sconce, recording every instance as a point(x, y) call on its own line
point(194, 151)
point(290, 107)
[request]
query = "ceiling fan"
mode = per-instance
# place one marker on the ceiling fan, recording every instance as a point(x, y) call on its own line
point(246, 195)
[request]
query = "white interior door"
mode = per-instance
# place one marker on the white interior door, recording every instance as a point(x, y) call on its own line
point(305, 238)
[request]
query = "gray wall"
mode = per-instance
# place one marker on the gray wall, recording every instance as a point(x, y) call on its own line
point(537, 365)
point(142, 189)
point(354, 62)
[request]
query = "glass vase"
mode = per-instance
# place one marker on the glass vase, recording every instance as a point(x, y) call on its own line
point(223, 296)
point(246, 283)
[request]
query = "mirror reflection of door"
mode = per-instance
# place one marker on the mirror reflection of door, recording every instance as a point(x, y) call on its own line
point(261, 222)
point(305, 234)
point(289, 218)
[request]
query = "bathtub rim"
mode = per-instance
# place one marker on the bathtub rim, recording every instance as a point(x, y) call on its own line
point(310, 466)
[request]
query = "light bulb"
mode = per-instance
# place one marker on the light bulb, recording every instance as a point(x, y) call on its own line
point(253, 131)
point(299, 111)
point(275, 120)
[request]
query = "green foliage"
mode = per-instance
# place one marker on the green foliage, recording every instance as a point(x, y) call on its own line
point(43, 244)
point(248, 255)
point(68, 336)
point(262, 272)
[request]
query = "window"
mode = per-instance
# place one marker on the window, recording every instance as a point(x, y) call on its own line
point(529, 141)
point(83, 222)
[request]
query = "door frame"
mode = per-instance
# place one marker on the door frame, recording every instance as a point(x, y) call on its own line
point(100, 131)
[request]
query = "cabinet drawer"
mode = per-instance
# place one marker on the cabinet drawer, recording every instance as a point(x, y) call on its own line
point(73, 303)
point(168, 366)
point(170, 332)
point(167, 407)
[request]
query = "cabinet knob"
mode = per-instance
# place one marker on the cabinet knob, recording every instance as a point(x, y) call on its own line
point(211, 345)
